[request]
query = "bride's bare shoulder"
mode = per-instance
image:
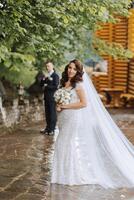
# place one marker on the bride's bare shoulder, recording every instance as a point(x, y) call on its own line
point(79, 85)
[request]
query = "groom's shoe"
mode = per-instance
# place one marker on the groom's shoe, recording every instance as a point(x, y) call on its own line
point(44, 131)
point(50, 133)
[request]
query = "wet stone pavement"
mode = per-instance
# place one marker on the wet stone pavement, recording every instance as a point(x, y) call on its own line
point(25, 166)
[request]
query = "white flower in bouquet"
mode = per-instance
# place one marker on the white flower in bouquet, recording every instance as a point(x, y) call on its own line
point(62, 96)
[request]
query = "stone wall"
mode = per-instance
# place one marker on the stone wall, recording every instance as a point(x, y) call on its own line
point(21, 111)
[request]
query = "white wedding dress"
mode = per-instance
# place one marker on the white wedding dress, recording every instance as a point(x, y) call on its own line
point(90, 148)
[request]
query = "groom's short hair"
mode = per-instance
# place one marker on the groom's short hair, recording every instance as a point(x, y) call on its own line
point(48, 61)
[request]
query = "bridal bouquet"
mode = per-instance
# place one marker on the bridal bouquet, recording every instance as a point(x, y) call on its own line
point(62, 96)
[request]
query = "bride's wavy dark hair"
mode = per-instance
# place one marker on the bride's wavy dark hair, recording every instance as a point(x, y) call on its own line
point(77, 78)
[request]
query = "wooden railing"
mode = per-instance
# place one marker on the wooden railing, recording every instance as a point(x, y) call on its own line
point(120, 75)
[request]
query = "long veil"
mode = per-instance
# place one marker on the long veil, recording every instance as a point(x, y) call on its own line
point(109, 154)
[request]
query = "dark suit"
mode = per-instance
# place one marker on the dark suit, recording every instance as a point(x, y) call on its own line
point(51, 86)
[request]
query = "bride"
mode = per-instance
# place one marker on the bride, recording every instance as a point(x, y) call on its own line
point(90, 148)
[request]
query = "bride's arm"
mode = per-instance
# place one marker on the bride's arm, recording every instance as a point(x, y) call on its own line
point(81, 104)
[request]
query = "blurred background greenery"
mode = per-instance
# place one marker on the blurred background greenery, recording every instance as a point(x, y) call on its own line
point(36, 30)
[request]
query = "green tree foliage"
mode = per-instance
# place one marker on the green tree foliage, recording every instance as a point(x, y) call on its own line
point(34, 30)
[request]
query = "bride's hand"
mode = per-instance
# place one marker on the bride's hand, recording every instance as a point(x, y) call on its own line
point(63, 106)
point(58, 107)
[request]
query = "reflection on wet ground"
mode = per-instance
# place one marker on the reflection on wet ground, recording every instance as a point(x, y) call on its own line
point(25, 168)
point(24, 164)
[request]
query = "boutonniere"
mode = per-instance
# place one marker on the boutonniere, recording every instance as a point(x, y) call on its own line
point(50, 78)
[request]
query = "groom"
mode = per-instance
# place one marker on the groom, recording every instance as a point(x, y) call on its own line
point(50, 84)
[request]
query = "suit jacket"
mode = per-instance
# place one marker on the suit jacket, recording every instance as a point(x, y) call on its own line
point(51, 85)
